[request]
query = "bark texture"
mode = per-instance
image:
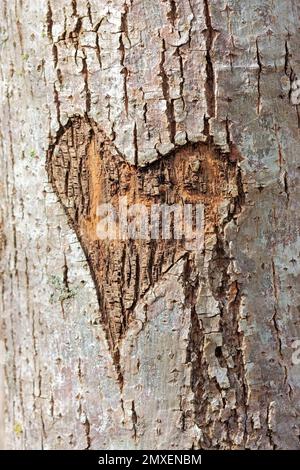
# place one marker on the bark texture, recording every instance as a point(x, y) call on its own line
point(87, 172)
point(114, 95)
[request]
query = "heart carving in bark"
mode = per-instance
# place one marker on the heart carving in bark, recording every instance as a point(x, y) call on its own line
point(86, 171)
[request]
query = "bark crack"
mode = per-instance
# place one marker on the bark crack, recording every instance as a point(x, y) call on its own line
point(210, 88)
point(166, 93)
point(258, 108)
point(49, 18)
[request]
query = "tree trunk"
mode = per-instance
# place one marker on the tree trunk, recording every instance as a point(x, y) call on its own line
point(150, 345)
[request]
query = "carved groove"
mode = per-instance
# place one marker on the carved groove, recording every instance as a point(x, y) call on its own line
point(86, 171)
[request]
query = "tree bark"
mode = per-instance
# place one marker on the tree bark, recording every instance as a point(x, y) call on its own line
point(149, 346)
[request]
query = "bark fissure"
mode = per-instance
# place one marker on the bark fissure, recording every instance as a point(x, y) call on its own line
point(166, 94)
point(49, 22)
point(210, 73)
point(258, 78)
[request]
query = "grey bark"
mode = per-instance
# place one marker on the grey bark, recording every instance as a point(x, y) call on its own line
point(218, 371)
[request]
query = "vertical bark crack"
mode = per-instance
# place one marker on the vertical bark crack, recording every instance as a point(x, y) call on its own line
point(258, 78)
point(210, 88)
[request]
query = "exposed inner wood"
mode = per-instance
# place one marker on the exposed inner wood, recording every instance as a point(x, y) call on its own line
point(86, 171)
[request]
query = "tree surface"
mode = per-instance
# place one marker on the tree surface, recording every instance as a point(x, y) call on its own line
point(149, 345)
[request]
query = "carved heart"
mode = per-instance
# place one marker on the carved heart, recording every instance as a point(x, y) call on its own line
point(86, 170)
